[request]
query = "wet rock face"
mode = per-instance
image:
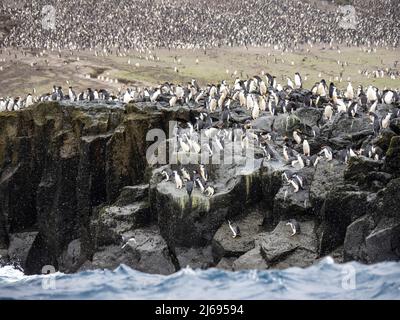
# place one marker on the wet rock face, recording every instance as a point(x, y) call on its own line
point(4, 259)
point(147, 253)
point(63, 161)
point(20, 245)
point(195, 258)
point(72, 258)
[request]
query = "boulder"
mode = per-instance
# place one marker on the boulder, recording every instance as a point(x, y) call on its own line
point(250, 260)
point(300, 258)
point(288, 204)
point(343, 205)
point(20, 245)
point(132, 194)
point(387, 202)
point(366, 173)
point(358, 168)
point(354, 242)
point(309, 116)
point(392, 159)
point(4, 259)
point(226, 264)
point(283, 124)
point(224, 245)
point(395, 125)
point(280, 249)
point(195, 257)
point(326, 172)
point(343, 125)
point(112, 221)
point(72, 258)
point(384, 138)
point(148, 253)
point(383, 244)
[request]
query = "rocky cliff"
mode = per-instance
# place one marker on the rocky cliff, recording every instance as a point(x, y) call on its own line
point(75, 186)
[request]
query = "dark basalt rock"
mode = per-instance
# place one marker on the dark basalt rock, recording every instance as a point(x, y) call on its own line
point(149, 253)
point(226, 264)
point(343, 125)
point(359, 167)
point(326, 173)
point(354, 242)
point(309, 116)
point(224, 245)
point(4, 259)
point(288, 204)
point(342, 206)
point(112, 221)
point(72, 258)
point(395, 125)
point(375, 236)
point(366, 173)
point(392, 160)
point(384, 138)
point(281, 250)
point(20, 245)
point(250, 260)
point(383, 243)
point(195, 257)
point(131, 194)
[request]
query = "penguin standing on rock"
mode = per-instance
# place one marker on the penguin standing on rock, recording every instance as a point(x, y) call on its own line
point(235, 229)
point(297, 137)
point(327, 152)
point(128, 241)
point(209, 191)
point(295, 183)
point(203, 172)
point(185, 174)
point(298, 81)
point(178, 180)
point(376, 122)
point(167, 174)
point(295, 226)
point(306, 148)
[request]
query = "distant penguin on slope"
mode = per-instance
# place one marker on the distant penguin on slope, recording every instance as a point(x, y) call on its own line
point(178, 180)
point(298, 81)
point(306, 148)
point(203, 172)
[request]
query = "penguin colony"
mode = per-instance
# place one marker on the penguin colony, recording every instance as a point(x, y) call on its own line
point(252, 98)
point(195, 24)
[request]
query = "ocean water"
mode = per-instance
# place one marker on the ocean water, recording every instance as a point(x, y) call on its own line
point(325, 280)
